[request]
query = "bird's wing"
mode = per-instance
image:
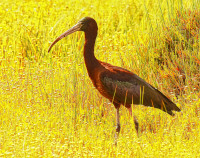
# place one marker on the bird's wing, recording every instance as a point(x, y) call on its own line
point(125, 87)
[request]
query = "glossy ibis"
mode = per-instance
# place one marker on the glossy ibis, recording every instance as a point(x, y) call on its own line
point(119, 85)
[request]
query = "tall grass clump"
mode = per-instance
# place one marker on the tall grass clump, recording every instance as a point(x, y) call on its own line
point(178, 51)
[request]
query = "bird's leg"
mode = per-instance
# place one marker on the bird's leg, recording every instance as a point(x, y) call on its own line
point(135, 119)
point(118, 122)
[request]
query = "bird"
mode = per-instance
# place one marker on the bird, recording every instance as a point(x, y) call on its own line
point(118, 85)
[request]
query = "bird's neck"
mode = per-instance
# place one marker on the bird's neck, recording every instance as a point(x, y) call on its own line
point(90, 60)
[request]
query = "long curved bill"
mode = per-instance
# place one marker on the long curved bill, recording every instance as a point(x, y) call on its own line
point(70, 31)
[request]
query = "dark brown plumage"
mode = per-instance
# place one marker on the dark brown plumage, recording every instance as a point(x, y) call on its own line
point(119, 85)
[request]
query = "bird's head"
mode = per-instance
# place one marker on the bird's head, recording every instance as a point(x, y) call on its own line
point(86, 24)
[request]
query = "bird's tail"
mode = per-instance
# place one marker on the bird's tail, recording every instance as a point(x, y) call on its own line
point(167, 105)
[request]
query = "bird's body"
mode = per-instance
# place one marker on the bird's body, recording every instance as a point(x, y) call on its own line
point(119, 85)
point(123, 87)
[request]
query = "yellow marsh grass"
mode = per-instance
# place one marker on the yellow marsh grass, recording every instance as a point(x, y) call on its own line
point(48, 105)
